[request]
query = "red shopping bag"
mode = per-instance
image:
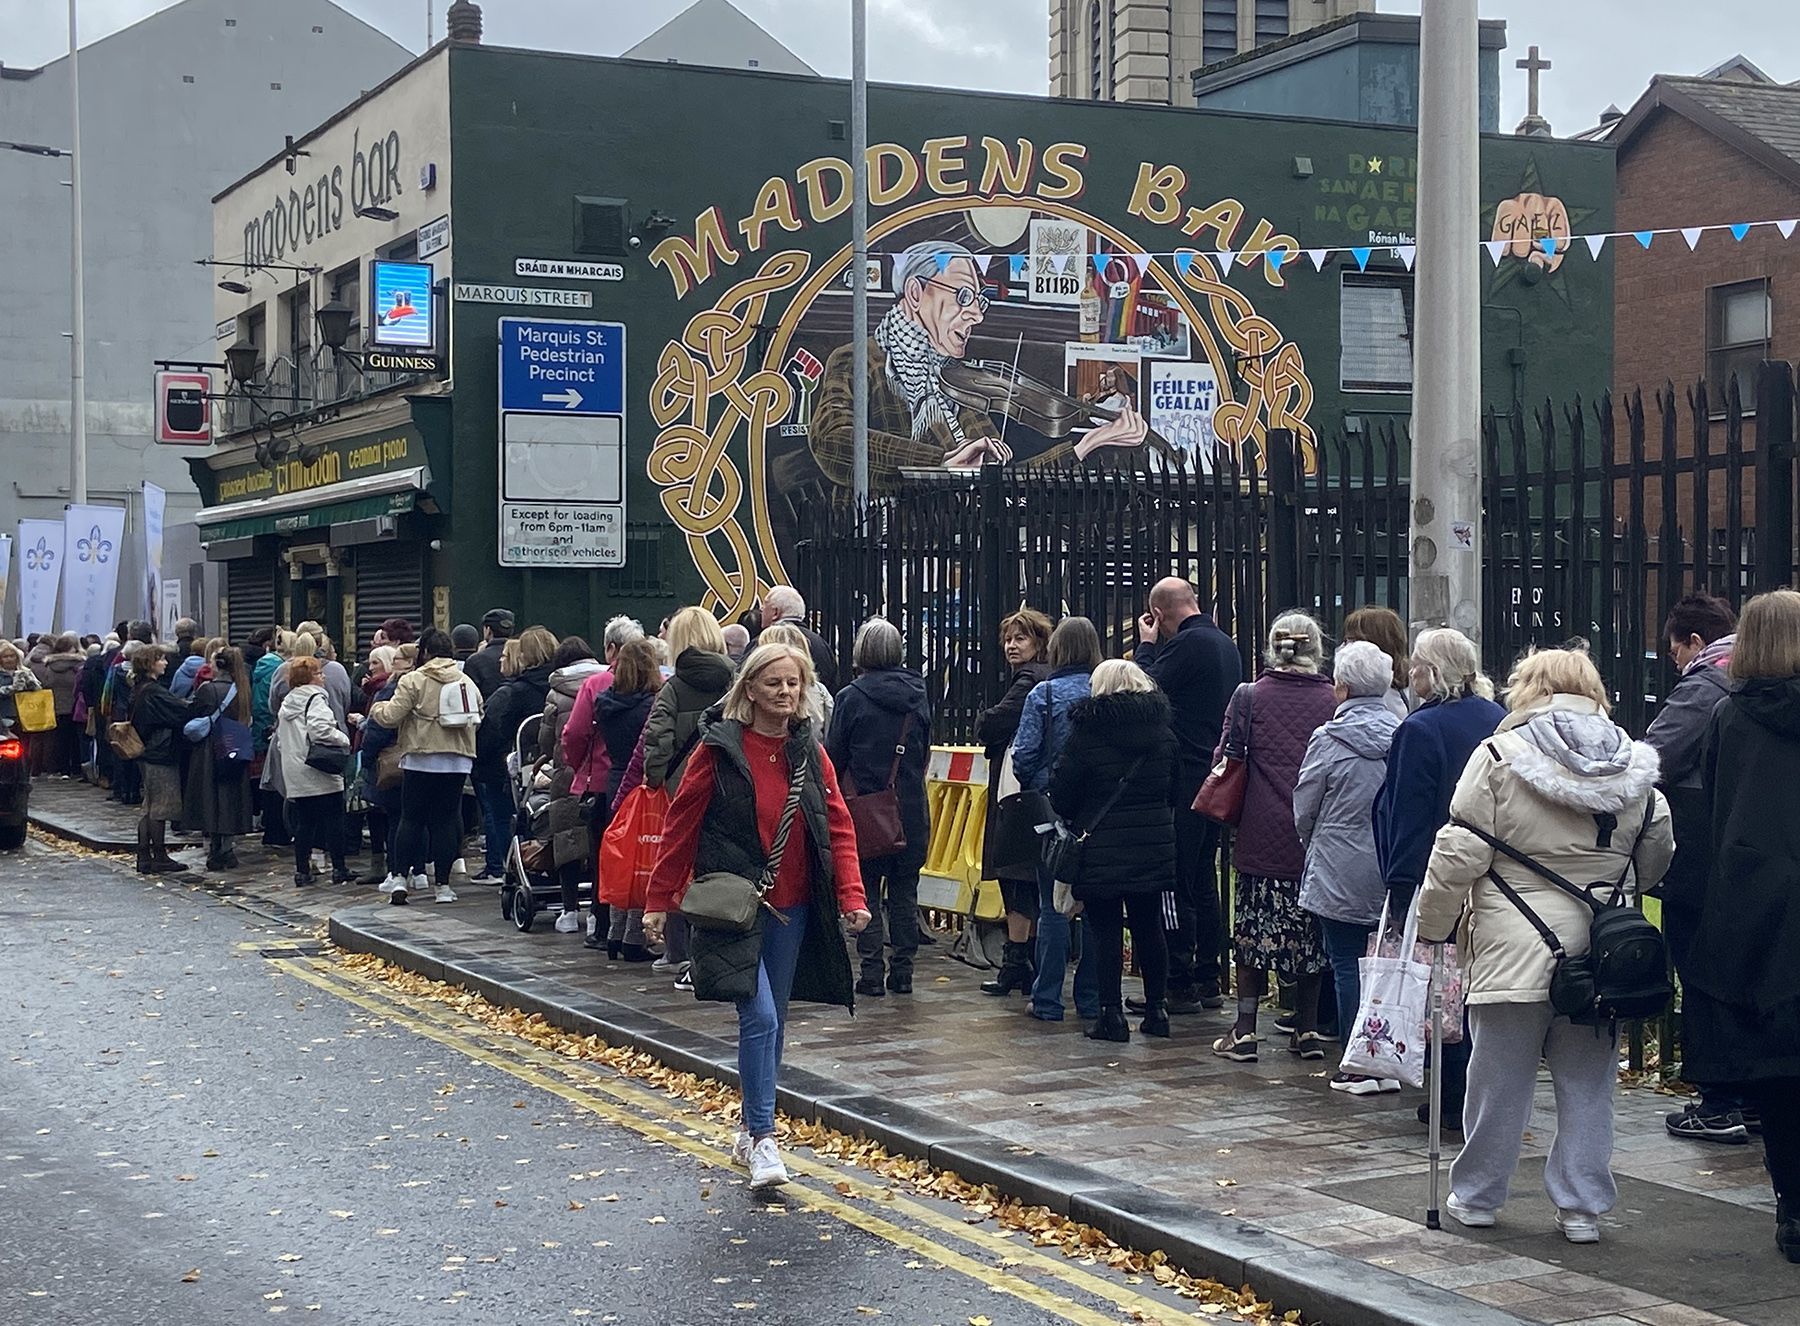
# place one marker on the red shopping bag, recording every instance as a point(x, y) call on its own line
point(628, 848)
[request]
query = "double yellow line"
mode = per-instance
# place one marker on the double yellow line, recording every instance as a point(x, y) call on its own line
point(653, 1116)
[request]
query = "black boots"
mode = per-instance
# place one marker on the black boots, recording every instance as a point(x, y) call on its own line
point(1156, 1020)
point(1014, 973)
point(1111, 1026)
point(1787, 1229)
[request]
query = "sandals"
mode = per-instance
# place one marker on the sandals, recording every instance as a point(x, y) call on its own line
point(1308, 1045)
point(1238, 1049)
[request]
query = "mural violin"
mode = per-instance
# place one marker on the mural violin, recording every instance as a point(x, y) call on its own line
point(995, 387)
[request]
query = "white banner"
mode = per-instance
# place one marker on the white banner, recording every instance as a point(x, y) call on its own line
point(171, 609)
point(156, 504)
point(5, 576)
point(91, 539)
point(40, 567)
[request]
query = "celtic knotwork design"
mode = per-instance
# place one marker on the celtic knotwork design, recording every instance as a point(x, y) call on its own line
point(1278, 394)
point(702, 399)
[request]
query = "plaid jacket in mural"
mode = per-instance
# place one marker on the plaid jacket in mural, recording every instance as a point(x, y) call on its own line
point(891, 443)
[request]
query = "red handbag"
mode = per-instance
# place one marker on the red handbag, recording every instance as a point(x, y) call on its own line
point(1221, 796)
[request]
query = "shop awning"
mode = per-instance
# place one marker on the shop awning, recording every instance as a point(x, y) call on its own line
point(316, 508)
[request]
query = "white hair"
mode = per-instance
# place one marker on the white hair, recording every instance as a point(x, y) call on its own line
point(1296, 641)
point(922, 261)
point(1119, 676)
point(878, 646)
point(786, 600)
point(1452, 665)
point(1363, 669)
point(621, 631)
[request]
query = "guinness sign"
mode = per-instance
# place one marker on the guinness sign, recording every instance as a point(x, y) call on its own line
point(403, 361)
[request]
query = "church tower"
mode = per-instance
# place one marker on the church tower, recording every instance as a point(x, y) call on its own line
point(1144, 50)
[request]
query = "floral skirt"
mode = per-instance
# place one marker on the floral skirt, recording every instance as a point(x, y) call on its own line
point(162, 792)
point(1269, 928)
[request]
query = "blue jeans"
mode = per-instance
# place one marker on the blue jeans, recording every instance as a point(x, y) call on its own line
point(1054, 931)
point(762, 1021)
point(1346, 943)
point(495, 800)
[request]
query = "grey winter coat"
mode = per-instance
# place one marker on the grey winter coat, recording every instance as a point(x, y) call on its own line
point(1346, 761)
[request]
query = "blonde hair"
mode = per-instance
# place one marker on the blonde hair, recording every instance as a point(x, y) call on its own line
point(738, 705)
point(1768, 637)
point(305, 645)
point(1120, 676)
point(382, 656)
point(695, 628)
point(407, 653)
point(9, 650)
point(1544, 673)
point(509, 657)
point(1296, 642)
point(785, 633)
point(1454, 666)
point(537, 646)
point(283, 644)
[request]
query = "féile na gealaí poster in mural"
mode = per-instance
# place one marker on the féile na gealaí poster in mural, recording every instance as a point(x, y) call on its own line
point(1180, 401)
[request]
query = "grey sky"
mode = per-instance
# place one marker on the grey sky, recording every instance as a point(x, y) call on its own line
point(1606, 54)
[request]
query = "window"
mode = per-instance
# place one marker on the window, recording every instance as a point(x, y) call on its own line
point(1100, 84)
point(346, 287)
point(256, 332)
point(1375, 326)
point(1218, 30)
point(1271, 21)
point(1737, 338)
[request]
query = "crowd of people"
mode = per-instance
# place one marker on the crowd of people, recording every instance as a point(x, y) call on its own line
point(1379, 778)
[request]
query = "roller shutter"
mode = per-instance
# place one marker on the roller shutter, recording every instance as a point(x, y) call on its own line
point(249, 597)
point(390, 582)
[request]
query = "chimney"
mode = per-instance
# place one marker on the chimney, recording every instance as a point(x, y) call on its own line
point(462, 22)
point(1612, 114)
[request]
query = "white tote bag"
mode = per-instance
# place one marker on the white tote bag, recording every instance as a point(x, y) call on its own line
point(1392, 1029)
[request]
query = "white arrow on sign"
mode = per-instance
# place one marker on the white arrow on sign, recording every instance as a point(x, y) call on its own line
point(569, 399)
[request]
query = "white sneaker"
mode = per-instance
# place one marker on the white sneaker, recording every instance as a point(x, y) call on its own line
point(766, 1169)
point(418, 885)
point(392, 883)
point(1578, 1228)
point(444, 894)
point(567, 923)
point(662, 966)
point(740, 1149)
point(1468, 1215)
point(591, 923)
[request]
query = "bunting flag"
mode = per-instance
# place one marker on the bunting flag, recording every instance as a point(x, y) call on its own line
point(1281, 256)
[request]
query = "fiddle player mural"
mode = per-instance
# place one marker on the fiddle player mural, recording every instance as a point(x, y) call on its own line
point(979, 354)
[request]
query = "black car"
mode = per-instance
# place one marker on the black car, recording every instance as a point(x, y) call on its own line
point(15, 786)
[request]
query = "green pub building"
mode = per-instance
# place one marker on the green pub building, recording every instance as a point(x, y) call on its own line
point(571, 334)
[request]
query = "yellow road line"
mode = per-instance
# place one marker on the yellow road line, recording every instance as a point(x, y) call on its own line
point(459, 1038)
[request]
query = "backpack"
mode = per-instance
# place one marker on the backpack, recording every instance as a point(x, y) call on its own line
point(459, 703)
point(1625, 974)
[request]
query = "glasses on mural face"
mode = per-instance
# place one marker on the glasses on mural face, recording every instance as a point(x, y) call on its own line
point(965, 295)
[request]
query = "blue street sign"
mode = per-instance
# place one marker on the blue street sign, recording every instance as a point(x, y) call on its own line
point(562, 366)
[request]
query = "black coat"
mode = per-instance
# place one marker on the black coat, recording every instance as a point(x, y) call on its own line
point(483, 668)
point(159, 717)
point(621, 719)
point(823, 660)
point(1741, 1004)
point(867, 723)
point(995, 730)
point(724, 966)
point(515, 701)
point(1198, 668)
point(1131, 844)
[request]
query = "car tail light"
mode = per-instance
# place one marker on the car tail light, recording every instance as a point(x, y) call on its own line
point(11, 748)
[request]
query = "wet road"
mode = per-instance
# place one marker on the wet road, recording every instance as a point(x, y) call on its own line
point(205, 1120)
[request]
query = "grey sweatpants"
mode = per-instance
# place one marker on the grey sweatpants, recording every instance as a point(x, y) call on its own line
point(1510, 1040)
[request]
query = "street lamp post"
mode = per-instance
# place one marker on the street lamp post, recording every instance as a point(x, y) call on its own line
point(78, 319)
point(859, 250)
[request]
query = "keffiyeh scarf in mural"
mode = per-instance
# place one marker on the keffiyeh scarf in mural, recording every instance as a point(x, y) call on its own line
point(914, 366)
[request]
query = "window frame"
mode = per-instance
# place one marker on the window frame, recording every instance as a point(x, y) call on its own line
point(1379, 279)
point(1722, 357)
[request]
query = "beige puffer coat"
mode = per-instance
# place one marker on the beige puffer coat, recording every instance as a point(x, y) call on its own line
point(413, 710)
point(1548, 783)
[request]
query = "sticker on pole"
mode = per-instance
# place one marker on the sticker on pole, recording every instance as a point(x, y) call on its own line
point(1462, 536)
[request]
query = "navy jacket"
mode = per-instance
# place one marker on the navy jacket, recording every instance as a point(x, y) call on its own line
point(1198, 669)
point(1431, 749)
point(865, 727)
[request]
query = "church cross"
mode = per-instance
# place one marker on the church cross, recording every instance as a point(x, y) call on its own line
point(1533, 65)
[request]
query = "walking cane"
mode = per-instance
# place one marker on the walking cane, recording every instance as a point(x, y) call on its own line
point(1437, 1080)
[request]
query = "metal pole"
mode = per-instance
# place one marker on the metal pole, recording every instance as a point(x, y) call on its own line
point(1445, 562)
point(77, 320)
point(1432, 1218)
point(859, 249)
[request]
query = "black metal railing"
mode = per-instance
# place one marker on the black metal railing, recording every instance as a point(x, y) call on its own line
point(293, 388)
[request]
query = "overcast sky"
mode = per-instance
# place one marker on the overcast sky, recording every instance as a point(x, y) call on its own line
point(1608, 56)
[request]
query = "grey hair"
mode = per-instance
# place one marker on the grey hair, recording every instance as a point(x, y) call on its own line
point(1297, 642)
point(1120, 676)
point(921, 260)
point(786, 600)
point(1452, 664)
point(621, 631)
point(878, 646)
point(1363, 669)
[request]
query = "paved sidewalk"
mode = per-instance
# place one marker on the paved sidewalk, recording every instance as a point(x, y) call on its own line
point(1258, 1167)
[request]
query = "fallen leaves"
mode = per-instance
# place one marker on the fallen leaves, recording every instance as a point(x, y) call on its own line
point(192, 1277)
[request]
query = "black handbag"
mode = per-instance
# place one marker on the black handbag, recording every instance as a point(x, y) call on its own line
point(1064, 846)
point(327, 758)
point(1015, 841)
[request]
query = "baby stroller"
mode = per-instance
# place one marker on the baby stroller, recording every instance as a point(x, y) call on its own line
point(531, 885)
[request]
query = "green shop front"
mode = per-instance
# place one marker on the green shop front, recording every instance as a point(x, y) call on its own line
point(340, 530)
point(1221, 275)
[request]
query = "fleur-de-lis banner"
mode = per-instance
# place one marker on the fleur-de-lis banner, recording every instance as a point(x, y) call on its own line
point(92, 536)
point(40, 568)
point(156, 503)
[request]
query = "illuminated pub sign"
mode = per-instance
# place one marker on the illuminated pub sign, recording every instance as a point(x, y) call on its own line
point(333, 462)
point(401, 310)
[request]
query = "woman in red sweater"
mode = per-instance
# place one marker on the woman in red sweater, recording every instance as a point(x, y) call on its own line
point(725, 817)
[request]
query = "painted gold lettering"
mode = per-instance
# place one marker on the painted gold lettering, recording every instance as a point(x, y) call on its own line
point(691, 262)
point(1060, 161)
point(1222, 218)
point(1012, 174)
point(1157, 194)
point(820, 204)
point(940, 165)
point(774, 203)
point(883, 190)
